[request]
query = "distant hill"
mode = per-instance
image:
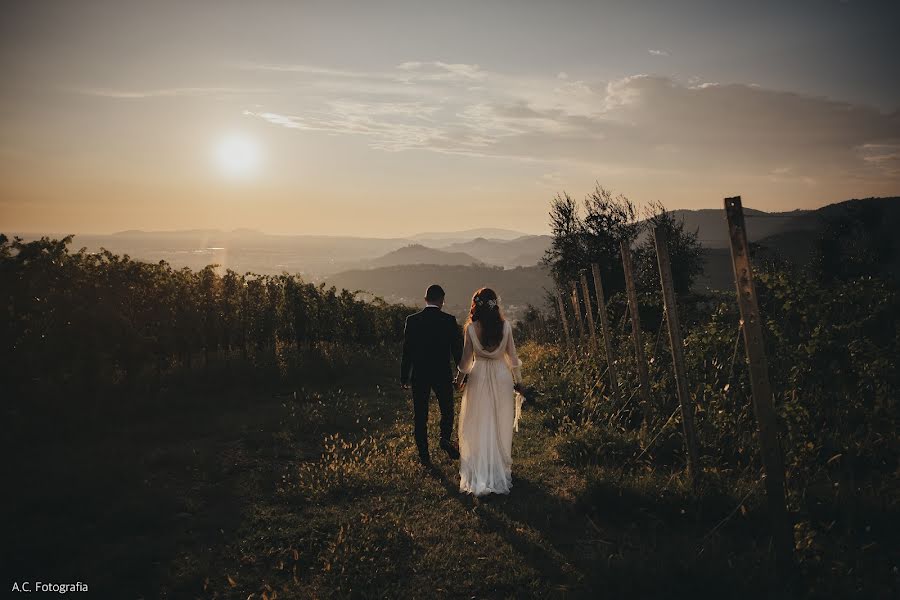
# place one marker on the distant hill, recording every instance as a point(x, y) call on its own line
point(417, 254)
point(520, 252)
point(790, 234)
point(795, 238)
point(188, 233)
point(450, 237)
point(313, 256)
point(516, 287)
point(713, 233)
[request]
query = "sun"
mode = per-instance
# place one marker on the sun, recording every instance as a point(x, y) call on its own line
point(238, 156)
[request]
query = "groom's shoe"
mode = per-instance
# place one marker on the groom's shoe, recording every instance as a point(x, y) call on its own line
point(450, 448)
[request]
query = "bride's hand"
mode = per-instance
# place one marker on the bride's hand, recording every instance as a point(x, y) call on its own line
point(460, 381)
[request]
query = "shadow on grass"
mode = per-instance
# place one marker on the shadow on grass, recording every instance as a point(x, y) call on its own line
point(116, 513)
point(523, 520)
point(666, 542)
point(142, 499)
point(628, 542)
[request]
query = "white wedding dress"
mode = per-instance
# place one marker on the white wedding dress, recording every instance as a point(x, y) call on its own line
point(489, 414)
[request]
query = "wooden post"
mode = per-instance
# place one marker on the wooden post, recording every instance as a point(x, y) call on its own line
point(677, 345)
point(589, 314)
point(576, 308)
point(782, 532)
point(607, 332)
point(640, 359)
point(563, 318)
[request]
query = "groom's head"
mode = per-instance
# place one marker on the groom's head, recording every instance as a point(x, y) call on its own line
point(434, 295)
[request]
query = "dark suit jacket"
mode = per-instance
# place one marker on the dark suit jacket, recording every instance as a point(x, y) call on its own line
point(431, 338)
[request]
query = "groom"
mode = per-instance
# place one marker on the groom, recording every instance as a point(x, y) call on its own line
point(430, 340)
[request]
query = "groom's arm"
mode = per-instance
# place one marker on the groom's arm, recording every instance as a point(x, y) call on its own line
point(456, 346)
point(406, 361)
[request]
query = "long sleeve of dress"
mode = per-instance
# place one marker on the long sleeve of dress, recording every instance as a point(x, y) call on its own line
point(468, 354)
point(512, 358)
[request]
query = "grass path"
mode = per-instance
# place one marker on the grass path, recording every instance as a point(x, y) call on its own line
point(348, 513)
point(361, 520)
point(243, 492)
point(246, 494)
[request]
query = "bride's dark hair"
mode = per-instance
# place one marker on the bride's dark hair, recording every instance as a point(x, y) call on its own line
point(486, 310)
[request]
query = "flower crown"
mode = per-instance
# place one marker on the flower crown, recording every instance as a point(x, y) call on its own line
point(479, 301)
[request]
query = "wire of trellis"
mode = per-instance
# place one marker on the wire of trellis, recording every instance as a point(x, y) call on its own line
point(623, 407)
point(730, 515)
point(570, 361)
point(597, 382)
point(658, 337)
point(734, 354)
point(658, 433)
point(625, 318)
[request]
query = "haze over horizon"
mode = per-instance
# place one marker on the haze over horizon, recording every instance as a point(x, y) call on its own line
point(347, 118)
point(432, 235)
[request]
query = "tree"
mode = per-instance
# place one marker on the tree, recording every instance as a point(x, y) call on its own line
point(579, 241)
point(685, 251)
point(610, 220)
point(566, 253)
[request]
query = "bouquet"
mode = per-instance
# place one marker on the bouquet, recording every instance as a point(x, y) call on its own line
point(523, 393)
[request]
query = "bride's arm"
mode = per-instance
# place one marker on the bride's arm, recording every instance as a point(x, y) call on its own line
point(512, 358)
point(468, 354)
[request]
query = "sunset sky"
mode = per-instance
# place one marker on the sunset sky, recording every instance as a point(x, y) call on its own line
point(390, 118)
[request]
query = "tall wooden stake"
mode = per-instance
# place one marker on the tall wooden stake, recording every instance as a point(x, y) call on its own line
point(564, 319)
point(607, 332)
point(576, 308)
point(589, 314)
point(641, 361)
point(782, 532)
point(687, 404)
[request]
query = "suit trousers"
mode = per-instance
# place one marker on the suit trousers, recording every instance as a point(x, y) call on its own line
point(421, 392)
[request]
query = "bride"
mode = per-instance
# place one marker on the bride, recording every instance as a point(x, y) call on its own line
point(490, 404)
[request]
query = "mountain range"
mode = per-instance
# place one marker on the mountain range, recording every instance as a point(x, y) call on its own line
point(406, 284)
point(522, 251)
point(316, 257)
point(790, 235)
point(417, 254)
point(713, 231)
point(438, 238)
point(399, 268)
point(794, 238)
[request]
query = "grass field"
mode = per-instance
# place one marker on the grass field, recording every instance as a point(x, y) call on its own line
point(250, 494)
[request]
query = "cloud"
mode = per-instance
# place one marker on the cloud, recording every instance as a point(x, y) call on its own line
point(167, 92)
point(389, 126)
point(554, 180)
point(658, 52)
point(298, 68)
point(640, 122)
point(883, 157)
point(410, 71)
point(440, 71)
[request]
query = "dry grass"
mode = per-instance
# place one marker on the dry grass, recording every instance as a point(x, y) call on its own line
point(320, 496)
